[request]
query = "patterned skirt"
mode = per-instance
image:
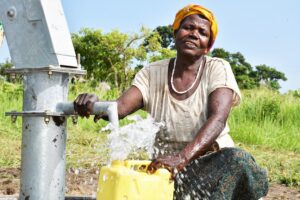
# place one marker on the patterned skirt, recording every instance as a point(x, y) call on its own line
point(230, 173)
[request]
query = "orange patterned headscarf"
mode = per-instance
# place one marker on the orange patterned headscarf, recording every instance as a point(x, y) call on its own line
point(192, 9)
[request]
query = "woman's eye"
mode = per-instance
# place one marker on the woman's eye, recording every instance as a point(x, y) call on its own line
point(188, 27)
point(203, 32)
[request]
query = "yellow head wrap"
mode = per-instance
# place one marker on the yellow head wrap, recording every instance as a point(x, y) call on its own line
point(192, 9)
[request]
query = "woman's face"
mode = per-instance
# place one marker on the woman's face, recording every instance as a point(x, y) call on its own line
point(192, 37)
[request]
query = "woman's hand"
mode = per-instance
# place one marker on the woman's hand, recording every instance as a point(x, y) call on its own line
point(173, 163)
point(84, 103)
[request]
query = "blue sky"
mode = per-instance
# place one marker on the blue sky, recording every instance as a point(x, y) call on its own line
point(264, 31)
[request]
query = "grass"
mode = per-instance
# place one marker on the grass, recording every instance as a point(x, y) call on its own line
point(266, 124)
point(10, 137)
point(267, 118)
point(283, 165)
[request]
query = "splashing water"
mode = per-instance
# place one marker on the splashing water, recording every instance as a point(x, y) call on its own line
point(141, 135)
point(132, 137)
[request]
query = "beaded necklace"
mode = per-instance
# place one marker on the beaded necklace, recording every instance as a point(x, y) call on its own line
point(172, 78)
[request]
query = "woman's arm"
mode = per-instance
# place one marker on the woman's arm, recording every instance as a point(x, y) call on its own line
point(130, 101)
point(219, 105)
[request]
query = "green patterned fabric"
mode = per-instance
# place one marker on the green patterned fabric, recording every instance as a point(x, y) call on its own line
point(229, 173)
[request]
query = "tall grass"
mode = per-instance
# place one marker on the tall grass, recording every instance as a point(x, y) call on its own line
point(267, 118)
point(10, 99)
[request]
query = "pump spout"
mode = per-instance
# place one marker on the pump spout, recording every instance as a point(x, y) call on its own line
point(108, 107)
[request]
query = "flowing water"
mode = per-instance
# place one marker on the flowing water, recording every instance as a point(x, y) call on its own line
point(133, 137)
point(141, 135)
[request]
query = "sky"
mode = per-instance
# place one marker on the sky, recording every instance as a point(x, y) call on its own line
point(264, 31)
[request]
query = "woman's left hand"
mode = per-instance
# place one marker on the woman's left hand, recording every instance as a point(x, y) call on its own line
point(173, 163)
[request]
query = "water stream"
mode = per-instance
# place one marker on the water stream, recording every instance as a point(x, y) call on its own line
point(140, 135)
point(135, 137)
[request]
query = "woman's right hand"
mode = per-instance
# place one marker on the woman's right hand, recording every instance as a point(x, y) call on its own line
point(83, 104)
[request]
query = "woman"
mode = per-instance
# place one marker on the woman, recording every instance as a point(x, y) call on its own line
point(193, 94)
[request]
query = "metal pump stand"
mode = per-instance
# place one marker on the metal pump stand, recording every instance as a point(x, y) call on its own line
point(42, 52)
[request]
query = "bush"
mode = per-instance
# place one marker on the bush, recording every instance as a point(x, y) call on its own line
point(270, 108)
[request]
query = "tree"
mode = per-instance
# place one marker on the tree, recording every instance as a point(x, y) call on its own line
point(246, 76)
point(109, 57)
point(166, 37)
point(221, 53)
point(3, 66)
point(242, 70)
point(162, 53)
point(269, 76)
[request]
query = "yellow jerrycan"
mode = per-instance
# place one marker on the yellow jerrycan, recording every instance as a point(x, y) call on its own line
point(128, 180)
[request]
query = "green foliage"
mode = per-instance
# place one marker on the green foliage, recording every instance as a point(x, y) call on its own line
point(246, 77)
point(3, 66)
point(241, 69)
point(269, 76)
point(270, 108)
point(163, 53)
point(92, 87)
point(166, 37)
point(10, 98)
point(296, 93)
point(110, 57)
point(267, 118)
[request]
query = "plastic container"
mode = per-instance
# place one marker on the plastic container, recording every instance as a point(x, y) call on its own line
point(128, 180)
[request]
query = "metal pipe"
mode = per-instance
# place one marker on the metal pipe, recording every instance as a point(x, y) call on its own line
point(46, 63)
point(108, 107)
point(43, 141)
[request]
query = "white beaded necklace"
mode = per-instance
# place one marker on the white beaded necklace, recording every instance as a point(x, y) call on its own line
point(172, 78)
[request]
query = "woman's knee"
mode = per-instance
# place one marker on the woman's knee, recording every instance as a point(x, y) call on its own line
point(237, 155)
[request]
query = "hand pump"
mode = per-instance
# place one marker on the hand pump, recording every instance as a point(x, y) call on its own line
point(42, 52)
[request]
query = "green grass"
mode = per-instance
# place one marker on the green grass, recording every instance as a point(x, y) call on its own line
point(283, 165)
point(266, 124)
point(10, 133)
point(267, 118)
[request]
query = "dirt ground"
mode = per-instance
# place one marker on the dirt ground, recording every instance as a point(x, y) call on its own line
point(84, 182)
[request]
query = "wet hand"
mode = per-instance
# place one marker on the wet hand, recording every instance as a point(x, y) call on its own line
point(173, 163)
point(83, 104)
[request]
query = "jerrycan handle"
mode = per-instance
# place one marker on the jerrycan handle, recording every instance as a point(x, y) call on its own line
point(142, 165)
point(138, 165)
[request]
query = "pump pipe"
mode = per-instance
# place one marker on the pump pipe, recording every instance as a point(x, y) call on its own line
point(108, 107)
